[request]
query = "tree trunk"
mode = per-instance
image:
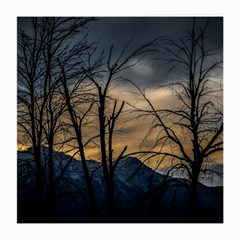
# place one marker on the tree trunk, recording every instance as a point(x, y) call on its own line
point(88, 179)
point(51, 187)
point(110, 200)
point(106, 171)
point(194, 195)
point(94, 213)
point(39, 185)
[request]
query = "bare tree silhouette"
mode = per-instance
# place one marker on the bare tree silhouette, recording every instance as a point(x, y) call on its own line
point(59, 73)
point(39, 48)
point(190, 133)
point(102, 79)
point(76, 105)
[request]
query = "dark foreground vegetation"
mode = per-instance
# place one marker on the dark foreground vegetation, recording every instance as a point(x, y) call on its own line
point(141, 196)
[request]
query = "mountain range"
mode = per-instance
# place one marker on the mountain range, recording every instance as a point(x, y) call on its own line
point(142, 195)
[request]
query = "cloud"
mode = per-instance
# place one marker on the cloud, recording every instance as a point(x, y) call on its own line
point(21, 88)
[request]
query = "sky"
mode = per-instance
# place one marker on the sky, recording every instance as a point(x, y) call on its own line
point(118, 30)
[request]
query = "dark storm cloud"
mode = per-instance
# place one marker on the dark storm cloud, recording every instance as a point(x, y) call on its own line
point(117, 30)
